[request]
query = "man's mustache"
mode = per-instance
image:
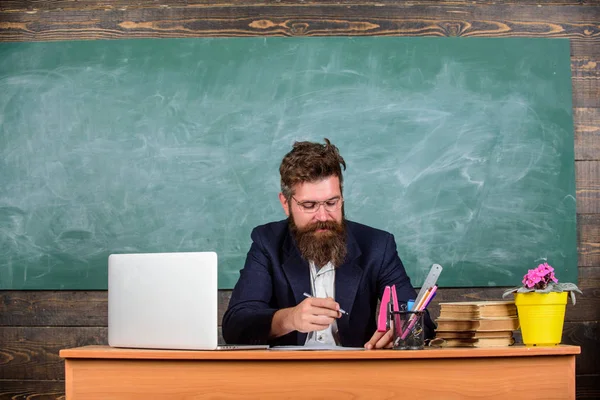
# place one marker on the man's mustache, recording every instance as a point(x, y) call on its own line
point(329, 225)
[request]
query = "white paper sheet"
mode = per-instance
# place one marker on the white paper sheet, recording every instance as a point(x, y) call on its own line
point(314, 348)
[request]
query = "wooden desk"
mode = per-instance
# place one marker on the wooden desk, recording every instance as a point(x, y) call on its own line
point(101, 372)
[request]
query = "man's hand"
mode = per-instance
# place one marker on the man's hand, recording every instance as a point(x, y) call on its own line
point(312, 314)
point(381, 340)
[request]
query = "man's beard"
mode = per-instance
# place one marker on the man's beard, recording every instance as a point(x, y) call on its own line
point(321, 247)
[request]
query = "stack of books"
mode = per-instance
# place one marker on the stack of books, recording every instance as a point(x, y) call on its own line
point(477, 323)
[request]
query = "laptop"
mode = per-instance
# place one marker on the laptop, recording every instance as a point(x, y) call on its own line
point(165, 301)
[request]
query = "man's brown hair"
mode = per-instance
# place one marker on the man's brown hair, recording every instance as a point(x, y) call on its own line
point(310, 162)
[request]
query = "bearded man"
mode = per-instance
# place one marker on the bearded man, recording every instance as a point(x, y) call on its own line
point(341, 264)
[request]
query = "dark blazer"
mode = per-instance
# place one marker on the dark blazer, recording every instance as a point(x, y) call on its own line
point(275, 276)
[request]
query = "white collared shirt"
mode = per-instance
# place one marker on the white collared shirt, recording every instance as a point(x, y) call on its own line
point(323, 285)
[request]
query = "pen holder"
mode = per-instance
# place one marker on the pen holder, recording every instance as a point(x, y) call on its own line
point(408, 330)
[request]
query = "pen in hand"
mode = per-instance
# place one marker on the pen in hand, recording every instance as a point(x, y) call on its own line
point(340, 310)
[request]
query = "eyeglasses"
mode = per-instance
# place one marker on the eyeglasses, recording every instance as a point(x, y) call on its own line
point(330, 205)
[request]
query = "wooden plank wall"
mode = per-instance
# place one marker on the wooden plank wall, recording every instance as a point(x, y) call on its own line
point(35, 325)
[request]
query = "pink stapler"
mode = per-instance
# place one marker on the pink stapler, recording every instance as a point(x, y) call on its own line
point(389, 295)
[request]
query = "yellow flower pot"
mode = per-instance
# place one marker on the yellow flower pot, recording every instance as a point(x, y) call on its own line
point(541, 316)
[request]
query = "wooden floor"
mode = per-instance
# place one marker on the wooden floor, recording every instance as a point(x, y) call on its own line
point(35, 325)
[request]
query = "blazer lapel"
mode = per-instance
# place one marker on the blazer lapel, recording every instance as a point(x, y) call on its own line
point(296, 269)
point(347, 280)
point(297, 272)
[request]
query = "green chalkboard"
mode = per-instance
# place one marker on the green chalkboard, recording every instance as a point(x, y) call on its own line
point(463, 148)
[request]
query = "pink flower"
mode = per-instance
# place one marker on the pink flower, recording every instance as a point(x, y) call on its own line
point(540, 272)
point(539, 277)
point(530, 284)
point(535, 279)
point(530, 280)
